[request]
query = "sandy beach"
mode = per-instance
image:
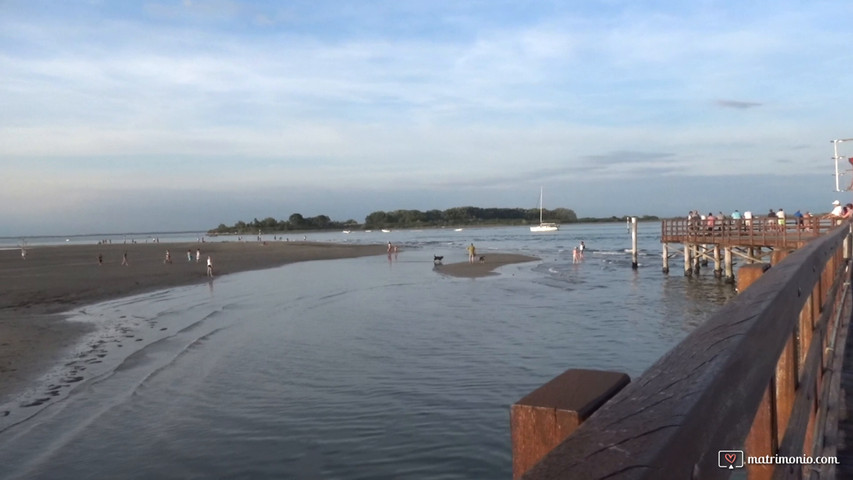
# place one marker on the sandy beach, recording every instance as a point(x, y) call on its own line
point(57, 279)
point(482, 268)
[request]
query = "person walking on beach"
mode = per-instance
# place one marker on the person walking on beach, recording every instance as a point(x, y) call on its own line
point(197, 255)
point(23, 253)
point(100, 259)
point(124, 261)
point(209, 267)
point(189, 255)
point(472, 252)
point(168, 257)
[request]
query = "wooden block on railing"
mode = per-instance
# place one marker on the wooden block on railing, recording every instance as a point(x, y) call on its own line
point(549, 414)
point(749, 273)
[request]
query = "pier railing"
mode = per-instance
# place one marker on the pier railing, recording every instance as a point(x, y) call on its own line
point(791, 233)
point(759, 376)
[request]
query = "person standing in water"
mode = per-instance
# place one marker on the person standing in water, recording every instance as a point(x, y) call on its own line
point(472, 252)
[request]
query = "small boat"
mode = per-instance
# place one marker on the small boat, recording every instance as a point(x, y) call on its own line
point(457, 229)
point(346, 231)
point(543, 226)
point(385, 230)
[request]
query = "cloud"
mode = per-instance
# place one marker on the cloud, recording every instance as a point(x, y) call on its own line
point(741, 105)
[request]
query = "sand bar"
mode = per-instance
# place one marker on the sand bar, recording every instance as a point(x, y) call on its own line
point(483, 268)
point(55, 279)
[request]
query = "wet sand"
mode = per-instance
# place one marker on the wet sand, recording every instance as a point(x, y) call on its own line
point(483, 268)
point(56, 279)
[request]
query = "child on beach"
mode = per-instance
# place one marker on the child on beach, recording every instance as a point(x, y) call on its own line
point(168, 257)
point(209, 267)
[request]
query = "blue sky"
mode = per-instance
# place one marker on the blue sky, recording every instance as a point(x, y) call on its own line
point(180, 115)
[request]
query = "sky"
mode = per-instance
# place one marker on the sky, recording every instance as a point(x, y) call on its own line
point(180, 115)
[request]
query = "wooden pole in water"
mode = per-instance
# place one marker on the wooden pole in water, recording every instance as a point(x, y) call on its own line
point(634, 262)
point(730, 276)
point(665, 258)
point(688, 270)
point(718, 267)
point(696, 258)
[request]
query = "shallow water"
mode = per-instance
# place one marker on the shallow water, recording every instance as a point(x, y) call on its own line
point(367, 368)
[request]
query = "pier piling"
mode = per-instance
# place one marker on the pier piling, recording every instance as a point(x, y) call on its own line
point(634, 262)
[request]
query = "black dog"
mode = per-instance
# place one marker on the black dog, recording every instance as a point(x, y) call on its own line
point(436, 260)
point(483, 259)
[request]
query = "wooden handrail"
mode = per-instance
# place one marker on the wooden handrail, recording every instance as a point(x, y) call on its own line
point(758, 231)
point(703, 395)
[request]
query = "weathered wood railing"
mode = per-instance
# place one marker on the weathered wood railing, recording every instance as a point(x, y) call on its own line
point(754, 377)
point(757, 231)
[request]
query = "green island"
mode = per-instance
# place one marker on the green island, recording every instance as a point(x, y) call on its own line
point(398, 219)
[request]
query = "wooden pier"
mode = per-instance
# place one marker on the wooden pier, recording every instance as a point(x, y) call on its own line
point(726, 240)
point(760, 379)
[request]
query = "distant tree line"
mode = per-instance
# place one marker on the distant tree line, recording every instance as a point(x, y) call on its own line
point(465, 216)
point(457, 216)
point(294, 222)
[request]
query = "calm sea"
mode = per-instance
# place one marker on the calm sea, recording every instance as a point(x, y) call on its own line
point(367, 368)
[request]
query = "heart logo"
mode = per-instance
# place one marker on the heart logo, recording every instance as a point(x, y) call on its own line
point(730, 457)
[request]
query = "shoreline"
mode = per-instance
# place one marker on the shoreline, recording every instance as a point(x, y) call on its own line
point(55, 279)
point(484, 268)
point(38, 292)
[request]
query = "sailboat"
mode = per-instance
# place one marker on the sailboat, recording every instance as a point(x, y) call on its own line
point(543, 226)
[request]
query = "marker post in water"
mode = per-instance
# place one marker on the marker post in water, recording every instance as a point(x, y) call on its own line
point(634, 263)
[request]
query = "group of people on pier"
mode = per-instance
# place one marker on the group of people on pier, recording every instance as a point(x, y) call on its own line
point(773, 220)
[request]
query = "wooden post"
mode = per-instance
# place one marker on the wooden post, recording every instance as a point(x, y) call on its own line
point(634, 252)
point(762, 439)
point(718, 268)
point(688, 250)
point(696, 259)
point(748, 274)
point(665, 258)
point(544, 418)
point(730, 275)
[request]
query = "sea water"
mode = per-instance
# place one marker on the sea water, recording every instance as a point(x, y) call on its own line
point(367, 368)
